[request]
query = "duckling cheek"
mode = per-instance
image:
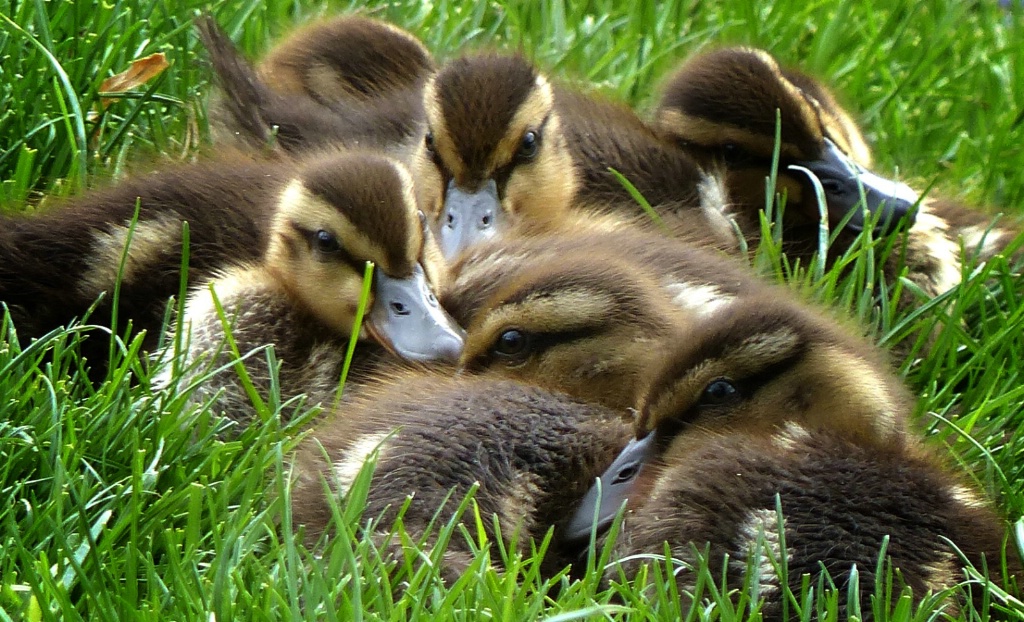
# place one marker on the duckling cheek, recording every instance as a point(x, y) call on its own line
point(470, 217)
point(408, 320)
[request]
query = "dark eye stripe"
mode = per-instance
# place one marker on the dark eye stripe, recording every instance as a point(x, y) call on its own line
point(341, 255)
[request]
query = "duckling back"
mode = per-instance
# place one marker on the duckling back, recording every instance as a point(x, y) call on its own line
point(530, 452)
point(55, 263)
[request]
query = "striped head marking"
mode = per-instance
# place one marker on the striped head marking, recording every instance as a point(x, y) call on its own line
point(585, 326)
point(493, 137)
point(342, 212)
point(763, 363)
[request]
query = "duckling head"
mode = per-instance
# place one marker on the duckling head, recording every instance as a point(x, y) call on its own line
point(346, 210)
point(761, 366)
point(585, 325)
point(350, 57)
point(721, 106)
point(495, 144)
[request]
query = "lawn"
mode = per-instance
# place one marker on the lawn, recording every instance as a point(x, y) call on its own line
point(119, 501)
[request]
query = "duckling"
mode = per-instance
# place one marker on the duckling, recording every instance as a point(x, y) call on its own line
point(720, 107)
point(510, 147)
point(55, 262)
point(348, 57)
point(584, 313)
point(347, 82)
point(531, 453)
point(839, 499)
point(302, 295)
point(762, 400)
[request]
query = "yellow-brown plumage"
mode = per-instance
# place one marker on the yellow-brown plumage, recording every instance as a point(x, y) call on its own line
point(302, 296)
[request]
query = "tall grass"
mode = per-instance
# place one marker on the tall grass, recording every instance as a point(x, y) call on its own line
point(120, 501)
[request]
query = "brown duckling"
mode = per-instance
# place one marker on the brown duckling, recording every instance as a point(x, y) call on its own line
point(585, 313)
point(839, 499)
point(510, 147)
point(531, 453)
point(346, 82)
point(57, 261)
point(348, 57)
point(332, 218)
point(760, 401)
point(720, 107)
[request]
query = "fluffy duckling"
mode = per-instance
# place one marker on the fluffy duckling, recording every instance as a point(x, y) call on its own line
point(760, 401)
point(302, 295)
point(56, 262)
point(584, 313)
point(839, 501)
point(349, 57)
point(340, 83)
point(532, 453)
point(721, 106)
point(511, 148)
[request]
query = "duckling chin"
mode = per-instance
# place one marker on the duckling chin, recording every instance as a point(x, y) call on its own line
point(337, 215)
point(529, 453)
point(512, 149)
point(842, 503)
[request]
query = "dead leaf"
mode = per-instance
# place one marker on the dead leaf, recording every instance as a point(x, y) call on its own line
point(141, 71)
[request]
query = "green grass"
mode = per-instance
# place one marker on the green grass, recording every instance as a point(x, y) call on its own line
point(121, 502)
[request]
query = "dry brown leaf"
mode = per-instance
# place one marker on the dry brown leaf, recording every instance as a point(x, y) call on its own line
point(141, 71)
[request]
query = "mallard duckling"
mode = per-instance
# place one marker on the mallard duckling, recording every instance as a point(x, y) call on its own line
point(348, 57)
point(56, 262)
point(840, 500)
point(512, 148)
point(721, 106)
point(584, 313)
point(531, 453)
point(347, 82)
point(302, 296)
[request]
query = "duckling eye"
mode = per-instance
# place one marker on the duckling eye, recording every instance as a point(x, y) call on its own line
point(326, 242)
point(428, 141)
point(528, 147)
point(512, 343)
point(720, 391)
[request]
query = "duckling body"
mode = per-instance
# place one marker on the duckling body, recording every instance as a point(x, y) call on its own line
point(531, 452)
point(55, 263)
point(302, 296)
point(839, 502)
point(511, 148)
point(348, 82)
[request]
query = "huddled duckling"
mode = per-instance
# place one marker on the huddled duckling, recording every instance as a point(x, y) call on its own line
point(511, 148)
point(840, 500)
point(587, 313)
point(761, 400)
point(720, 107)
point(531, 454)
point(57, 261)
point(302, 296)
point(340, 83)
